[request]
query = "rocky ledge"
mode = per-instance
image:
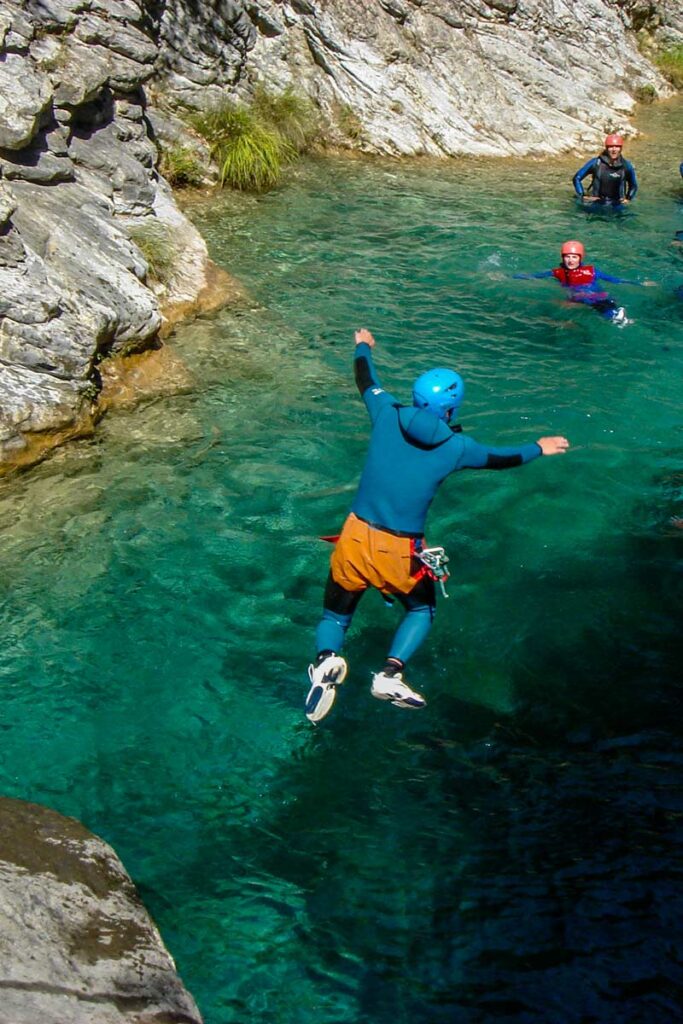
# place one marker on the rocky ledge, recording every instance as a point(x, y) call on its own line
point(79, 195)
point(77, 945)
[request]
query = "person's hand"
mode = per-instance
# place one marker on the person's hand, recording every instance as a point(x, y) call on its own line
point(553, 445)
point(590, 199)
point(363, 336)
point(649, 284)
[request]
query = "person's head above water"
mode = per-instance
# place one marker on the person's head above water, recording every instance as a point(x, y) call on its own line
point(572, 253)
point(440, 391)
point(614, 145)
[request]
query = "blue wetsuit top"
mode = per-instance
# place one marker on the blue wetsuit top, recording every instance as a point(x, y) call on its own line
point(610, 181)
point(411, 452)
point(588, 293)
point(600, 275)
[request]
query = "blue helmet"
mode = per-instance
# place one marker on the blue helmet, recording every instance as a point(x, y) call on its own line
point(440, 391)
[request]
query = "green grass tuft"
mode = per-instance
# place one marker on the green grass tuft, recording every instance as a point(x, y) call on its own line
point(250, 154)
point(645, 93)
point(294, 117)
point(181, 166)
point(350, 123)
point(155, 243)
point(252, 145)
point(670, 63)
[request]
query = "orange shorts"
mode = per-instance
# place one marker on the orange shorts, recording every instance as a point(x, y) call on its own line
point(367, 557)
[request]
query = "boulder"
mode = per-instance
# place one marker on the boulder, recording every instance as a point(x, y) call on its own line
point(77, 944)
point(24, 95)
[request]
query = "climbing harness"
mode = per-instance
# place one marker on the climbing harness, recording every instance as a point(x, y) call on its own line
point(434, 560)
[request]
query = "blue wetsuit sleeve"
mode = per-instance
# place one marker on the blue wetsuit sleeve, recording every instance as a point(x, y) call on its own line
point(371, 391)
point(528, 277)
point(480, 456)
point(631, 181)
point(600, 275)
point(582, 173)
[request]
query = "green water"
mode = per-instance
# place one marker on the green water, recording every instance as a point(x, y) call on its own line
point(511, 853)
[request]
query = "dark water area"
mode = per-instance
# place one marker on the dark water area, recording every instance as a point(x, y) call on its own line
point(511, 853)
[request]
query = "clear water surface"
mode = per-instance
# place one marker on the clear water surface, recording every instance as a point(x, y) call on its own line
point(511, 853)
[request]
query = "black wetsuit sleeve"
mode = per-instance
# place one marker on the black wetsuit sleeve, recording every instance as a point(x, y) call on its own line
point(362, 372)
point(480, 456)
point(502, 461)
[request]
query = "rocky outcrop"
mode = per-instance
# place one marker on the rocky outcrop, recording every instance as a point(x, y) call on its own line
point(77, 946)
point(79, 195)
point(492, 77)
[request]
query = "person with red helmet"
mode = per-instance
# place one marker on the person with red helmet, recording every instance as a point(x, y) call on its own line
point(583, 282)
point(613, 179)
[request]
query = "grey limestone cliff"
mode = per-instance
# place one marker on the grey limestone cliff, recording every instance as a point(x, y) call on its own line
point(77, 162)
point(76, 944)
point(440, 77)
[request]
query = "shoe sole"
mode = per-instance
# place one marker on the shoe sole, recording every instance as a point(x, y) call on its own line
point(411, 703)
point(321, 696)
point(319, 702)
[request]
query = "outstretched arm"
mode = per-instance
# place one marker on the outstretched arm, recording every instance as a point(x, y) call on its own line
point(480, 456)
point(600, 275)
point(529, 277)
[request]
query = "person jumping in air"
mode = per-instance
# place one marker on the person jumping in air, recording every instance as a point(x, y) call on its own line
point(412, 449)
point(583, 282)
point(613, 179)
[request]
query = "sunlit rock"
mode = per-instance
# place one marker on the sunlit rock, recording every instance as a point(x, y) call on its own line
point(83, 948)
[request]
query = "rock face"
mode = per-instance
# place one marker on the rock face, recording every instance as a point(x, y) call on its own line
point(77, 159)
point(492, 77)
point(76, 944)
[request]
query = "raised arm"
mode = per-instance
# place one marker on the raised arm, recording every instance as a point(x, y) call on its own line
point(369, 387)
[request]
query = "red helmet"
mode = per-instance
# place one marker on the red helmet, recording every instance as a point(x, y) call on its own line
point(614, 140)
point(573, 248)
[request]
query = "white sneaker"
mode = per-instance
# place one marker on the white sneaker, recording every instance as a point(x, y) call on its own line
point(325, 678)
point(619, 318)
point(393, 688)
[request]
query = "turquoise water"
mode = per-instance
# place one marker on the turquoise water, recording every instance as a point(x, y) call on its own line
point(510, 853)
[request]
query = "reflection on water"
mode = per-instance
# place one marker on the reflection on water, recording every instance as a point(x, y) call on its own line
point(512, 852)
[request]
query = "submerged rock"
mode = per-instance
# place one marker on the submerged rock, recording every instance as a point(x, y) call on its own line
point(78, 945)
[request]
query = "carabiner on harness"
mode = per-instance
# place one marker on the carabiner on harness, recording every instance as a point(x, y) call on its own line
point(434, 560)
